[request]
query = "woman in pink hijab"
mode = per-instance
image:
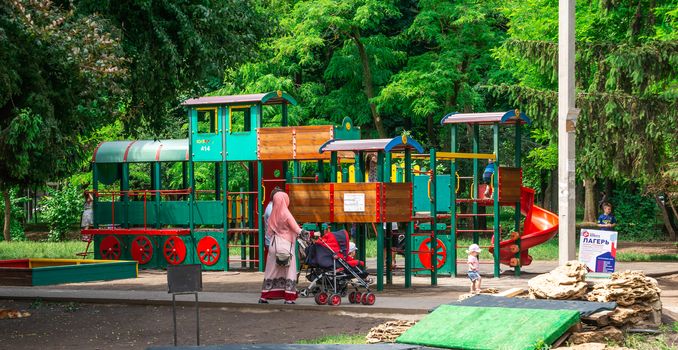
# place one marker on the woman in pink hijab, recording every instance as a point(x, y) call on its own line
point(280, 282)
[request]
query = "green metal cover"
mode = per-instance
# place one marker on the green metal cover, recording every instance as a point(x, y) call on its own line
point(495, 328)
point(84, 272)
point(347, 131)
point(421, 201)
point(419, 245)
point(141, 151)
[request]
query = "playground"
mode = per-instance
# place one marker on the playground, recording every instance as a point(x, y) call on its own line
point(411, 213)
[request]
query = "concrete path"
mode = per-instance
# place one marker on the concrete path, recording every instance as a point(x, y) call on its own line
point(241, 290)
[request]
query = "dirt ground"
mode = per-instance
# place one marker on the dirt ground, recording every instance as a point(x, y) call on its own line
point(85, 326)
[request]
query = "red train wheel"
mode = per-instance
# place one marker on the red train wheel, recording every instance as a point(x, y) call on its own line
point(425, 253)
point(142, 249)
point(208, 250)
point(174, 250)
point(109, 248)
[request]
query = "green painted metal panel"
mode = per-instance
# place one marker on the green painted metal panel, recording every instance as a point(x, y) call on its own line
point(189, 243)
point(496, 328)
point(124, 246)
point(136, 210)
point(426, 226)
point(446, 267)
point(208, 213)
point(241, 146)
point(84, 272)
point(174, 213)
point(346, 131)
point(206, 147)
point(103, 213)
point(154, 252)
point(220, 263)
point(420, 192)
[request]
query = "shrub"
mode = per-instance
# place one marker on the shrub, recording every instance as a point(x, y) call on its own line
point(636, 215)
point(16, 227)
point(61, 209)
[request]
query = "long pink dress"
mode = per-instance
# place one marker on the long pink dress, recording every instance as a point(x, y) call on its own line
point(281, 282)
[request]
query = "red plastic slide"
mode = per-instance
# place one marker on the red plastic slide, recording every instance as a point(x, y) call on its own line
point(540, 226)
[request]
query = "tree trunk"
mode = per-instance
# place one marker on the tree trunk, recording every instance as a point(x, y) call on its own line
point(431, 130)
point(8, 215)
point(666, 218)
point(547, 193)
point(590, 203)
point(368, 84)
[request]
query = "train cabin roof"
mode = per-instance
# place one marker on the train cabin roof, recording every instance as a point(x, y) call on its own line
point(387, 145)
point(509, 117)
point(141, 151)
point(270, 98)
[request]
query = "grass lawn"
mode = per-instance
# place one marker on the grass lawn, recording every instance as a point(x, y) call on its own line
point(29, 249)
point(337, 339)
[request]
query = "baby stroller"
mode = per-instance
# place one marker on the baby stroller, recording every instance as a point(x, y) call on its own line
point(332, 272)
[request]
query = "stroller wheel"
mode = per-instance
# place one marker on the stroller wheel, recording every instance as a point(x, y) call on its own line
point(335, 300)
point(357, 298)
point(351, 297)
point(303, 292)
point(369, 299)
point(321, 298)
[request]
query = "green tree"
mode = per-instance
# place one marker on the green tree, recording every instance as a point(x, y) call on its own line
point(334, 56)
point(175, 50)
point(60, 78)
point(449, 46)
point(626, 69)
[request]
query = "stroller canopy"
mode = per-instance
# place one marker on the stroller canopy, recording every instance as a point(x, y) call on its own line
point(322, 252)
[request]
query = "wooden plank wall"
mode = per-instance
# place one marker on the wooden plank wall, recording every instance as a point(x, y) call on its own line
point(384, 202)
point(275, 143)
point(397, 202)
point(372, 207)
point(293, 142)
point(510, 180)
point(309, 202)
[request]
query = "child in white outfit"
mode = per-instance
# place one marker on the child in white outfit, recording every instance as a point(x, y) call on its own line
point(473, 268)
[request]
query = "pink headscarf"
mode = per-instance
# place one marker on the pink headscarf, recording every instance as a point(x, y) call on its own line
point(281, 222)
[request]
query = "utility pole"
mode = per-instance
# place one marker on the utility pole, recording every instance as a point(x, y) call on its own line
point(567, 117)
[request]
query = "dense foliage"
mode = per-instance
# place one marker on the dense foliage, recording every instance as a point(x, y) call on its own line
point(60, 209)
point(17, 211)
point(390, 65)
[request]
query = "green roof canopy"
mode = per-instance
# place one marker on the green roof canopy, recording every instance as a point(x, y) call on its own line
point(269, 98)
point(141, 151)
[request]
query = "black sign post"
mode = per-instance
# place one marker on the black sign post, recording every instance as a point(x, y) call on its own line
point(185, 279)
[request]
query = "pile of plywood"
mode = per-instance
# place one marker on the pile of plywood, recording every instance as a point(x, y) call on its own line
point(387, 332)
point(637, 296)
point(482, 291)
point(563, 283)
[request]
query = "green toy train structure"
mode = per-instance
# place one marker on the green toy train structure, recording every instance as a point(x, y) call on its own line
point(222, 229)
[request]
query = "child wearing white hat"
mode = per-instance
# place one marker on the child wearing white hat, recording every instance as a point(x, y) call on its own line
point(473, 267)
point(352, 249)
